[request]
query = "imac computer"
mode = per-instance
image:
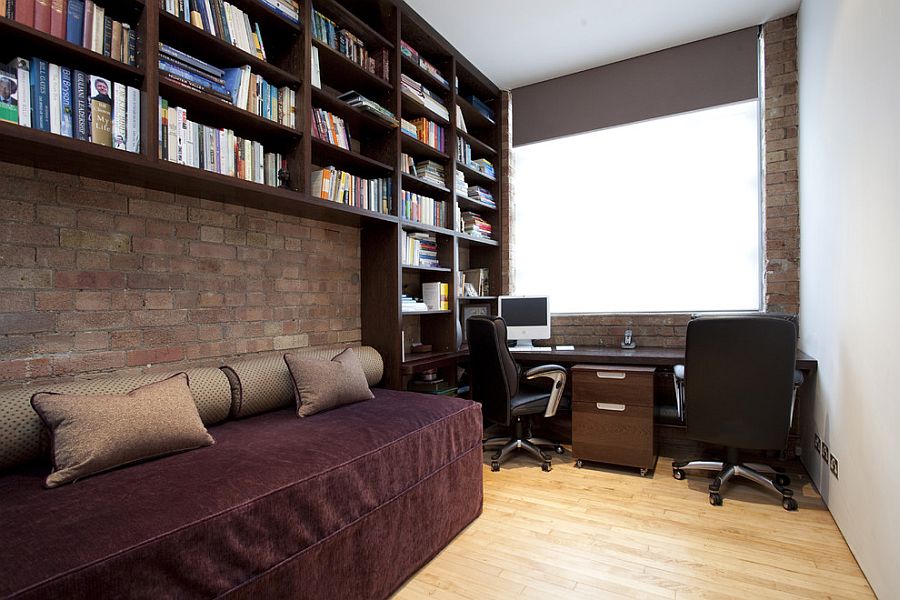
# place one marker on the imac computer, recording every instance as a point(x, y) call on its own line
point(527, 318)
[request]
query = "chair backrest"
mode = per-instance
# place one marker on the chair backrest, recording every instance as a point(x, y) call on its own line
point(493, 374)
point(739, 377)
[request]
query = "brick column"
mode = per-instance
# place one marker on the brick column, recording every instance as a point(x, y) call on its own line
point(507, 195)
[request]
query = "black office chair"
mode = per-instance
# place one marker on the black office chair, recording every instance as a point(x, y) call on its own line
point(739, 389)
point(495, 383)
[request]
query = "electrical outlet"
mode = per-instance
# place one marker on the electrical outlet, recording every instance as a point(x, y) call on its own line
point(825, 453)
point(834, 466)
point(817, 442)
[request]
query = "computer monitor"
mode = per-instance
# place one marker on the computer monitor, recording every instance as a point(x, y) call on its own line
point(527, 318)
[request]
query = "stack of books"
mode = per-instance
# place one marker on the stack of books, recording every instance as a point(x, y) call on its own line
point(480, 106)
point(359, 101)
point(409, 128)
point(192, 73)
point(483, 166)
point(481, 195)
point(463, 151)
point(436, 295)
point(430, 133)
point(419, 249)
point(330, 128)
point(411, 53)
point(408, 304)
point(80, 22)
point(344, 188)
point(328, 32)
point(289, 9)
point(430, 171)
point(67, 102)
point(253, 93)
point(472, 224)
point(422, 209)
point(460, 185)
point(421, 94)
point(185, 142)
point(221, 19)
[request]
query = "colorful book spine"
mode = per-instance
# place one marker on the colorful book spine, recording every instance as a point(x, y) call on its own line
point(42, 12)
point(120, 116)
point(133, 126)
point(23, 76)
point(55, 99)
point(75, 22)
point(40, 94)
point(66, 109)
point(58, 19)
point(25, 12)
point(80, 100)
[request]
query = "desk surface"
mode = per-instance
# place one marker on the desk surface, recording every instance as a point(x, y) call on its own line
point(659, 357)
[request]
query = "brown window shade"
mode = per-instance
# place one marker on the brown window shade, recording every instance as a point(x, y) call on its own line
point(710, 72)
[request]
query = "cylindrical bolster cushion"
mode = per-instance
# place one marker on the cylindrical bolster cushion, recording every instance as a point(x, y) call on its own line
point(22, 435)
point(263, 384)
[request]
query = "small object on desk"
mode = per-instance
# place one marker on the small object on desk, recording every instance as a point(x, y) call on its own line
point(565, 347)
point(628, 342)
point(418, 348)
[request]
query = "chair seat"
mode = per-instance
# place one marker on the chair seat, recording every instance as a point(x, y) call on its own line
point(529, 401)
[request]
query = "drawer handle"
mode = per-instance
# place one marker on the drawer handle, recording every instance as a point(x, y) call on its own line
point(611, 374)
point(608, 406)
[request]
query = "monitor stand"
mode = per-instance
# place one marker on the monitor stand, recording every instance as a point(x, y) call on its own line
point(526, 346)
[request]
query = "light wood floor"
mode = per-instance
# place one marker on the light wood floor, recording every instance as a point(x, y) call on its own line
point(609, 533)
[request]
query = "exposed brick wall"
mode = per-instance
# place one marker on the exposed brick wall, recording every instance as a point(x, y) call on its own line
point(782, 206)
point(507, 206)
point(96, 276)
point(781, 249)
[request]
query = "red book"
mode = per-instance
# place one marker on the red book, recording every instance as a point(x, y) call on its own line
point(88, 33)
point(42, 15)
point(25, 12)
point(58, 18)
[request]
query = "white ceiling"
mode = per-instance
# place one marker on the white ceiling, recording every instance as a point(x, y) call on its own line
point(517, 42)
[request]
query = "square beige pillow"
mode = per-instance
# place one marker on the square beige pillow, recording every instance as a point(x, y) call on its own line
point(325, 384)
point(92, 434)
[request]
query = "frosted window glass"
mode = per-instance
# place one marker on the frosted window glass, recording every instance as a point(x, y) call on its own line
point(658, 216)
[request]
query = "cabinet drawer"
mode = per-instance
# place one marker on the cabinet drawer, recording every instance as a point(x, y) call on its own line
point(617, 433)
point(610, 384)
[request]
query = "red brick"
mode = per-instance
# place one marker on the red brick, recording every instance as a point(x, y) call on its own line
point(124, 262)
point(25, 278)
point(89, 321)
point(92, 199)
point(55, 215)
point(169, 247)
point(89, 280)
point(92, 301)
point(125, 339)
point(132, 225)
point(204, 250)
point(74, 363)
point(157, 318)
point(13, 210)
point(56, 258)
point(17, 256)
point(155, 281)
point(92, 261)
point(24, 369)
point(92, 340)
point(16, 301)
point(156, 355)
point(158, 300)
point(156, 210)
point(211, 217)
point(16, 346)
point(167, 336)
point(53, 343)
point(27, 234)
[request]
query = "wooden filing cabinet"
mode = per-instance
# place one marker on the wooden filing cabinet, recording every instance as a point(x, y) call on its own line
point(612, 415)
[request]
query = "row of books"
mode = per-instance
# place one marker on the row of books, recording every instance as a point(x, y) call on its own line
point(481, 195)
point(483, 166)
point(330, 128)
point(359, 101)
point(473, 224)
point(328, 32)
point(345, 188)
point(427, 132)
point(480, 106)
point(422, 95)
point(422, 209)
point(186, 142)
point(80, 22)
point(251, 92)
point(289, 9)
point(418, 249)
point(223, 20)
point(413, 55)
point(38, 94)
point(436, 295)
point(463, 151)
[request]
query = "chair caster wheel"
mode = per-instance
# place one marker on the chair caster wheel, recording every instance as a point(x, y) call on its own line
point(644, 472)
point(782, 480)
point(495, 466)
point(678, 474)
point(789, 503)
point(560, 450)
point(715, 499)
point(578, 464)
point(545, 466)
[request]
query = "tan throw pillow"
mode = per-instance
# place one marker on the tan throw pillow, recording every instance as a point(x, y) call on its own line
point(325, 384)
point(91, 434)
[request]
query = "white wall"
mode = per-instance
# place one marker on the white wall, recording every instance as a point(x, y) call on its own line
point(850, 266)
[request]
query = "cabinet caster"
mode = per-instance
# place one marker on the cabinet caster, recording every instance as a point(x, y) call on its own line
point(782, 480)
point(495, 466)
point(545, 466)
point(715, 499)
point(789, 503)
point(560, 450)
point(578, 464)
point(678, 474)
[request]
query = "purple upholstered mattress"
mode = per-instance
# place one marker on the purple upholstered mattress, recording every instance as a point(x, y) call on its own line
point(344, 504)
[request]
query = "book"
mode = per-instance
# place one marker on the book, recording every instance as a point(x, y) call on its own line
point(25, 12)
point(40, 94)
point(431, 295)
point(107, 36)
point(75, 22)
point(9, 102)
point(131, 45)
point(42, 11)
point(133, 120)
point(101, 111)
point(115, 51)
point(81, 120)
point(65, 101)
point(119, 116)
point(55, 99)
point(167, 50)
point(87, 21)
point(97, 28)
point(316, 74)
point(21, 67)
point(58, 19)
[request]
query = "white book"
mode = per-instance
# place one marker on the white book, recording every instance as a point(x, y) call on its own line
point(180, 119)
point(229, 19)
point(186, 9)
point(55, 99)
point(98, 29)
point(316, 73)
point(159, 132)
point(23, 78)
point(209, 17)
point(172, 140)
point(120, 116)
point(248, 35)
point(133, 120)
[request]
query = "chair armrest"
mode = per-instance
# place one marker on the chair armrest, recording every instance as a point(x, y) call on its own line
point(557, 374)
point(678, 372)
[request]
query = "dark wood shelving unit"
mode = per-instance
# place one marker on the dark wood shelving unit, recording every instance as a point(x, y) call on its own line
point(377, 145)
point(478, 176)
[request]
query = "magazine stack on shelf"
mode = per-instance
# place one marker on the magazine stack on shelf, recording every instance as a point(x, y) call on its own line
point(481, 196)
point(472, 224)
point(359, 101)
point(430, 171)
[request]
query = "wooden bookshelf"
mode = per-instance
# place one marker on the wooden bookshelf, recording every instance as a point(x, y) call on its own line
point(376, 151)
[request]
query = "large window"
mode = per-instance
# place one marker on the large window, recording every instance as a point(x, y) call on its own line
point(657, 216)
